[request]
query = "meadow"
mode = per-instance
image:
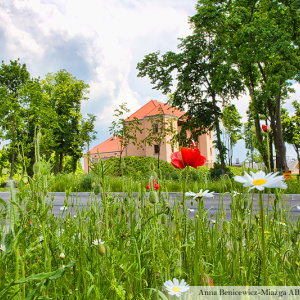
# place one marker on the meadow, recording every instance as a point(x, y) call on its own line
point(128, 249)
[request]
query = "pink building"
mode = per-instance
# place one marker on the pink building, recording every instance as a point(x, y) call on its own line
point(112, 147)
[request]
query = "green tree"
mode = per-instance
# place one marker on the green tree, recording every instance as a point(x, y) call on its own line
point(125, 130)
point(231, 120)
point(262, 39)
point(12, 78)
point(204, 80)
point(64, 94)
point(291, 129)
point(4, 162)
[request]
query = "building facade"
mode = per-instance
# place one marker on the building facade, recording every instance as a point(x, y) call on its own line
point(157, 120)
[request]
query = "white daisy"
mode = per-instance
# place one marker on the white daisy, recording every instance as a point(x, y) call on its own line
point(234, 194)
point(261, 181)
point(281, 223)
point(2, 248)
point(200, 194)
point(191, 210)
point(98, 242)
point(298, 207)
point(176, 288)
point(63, 208)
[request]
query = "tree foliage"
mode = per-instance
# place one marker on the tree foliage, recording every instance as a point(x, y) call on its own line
point(66, 131)
point(13, 77)
point(204, 79)
point(262, 40)
point(51, 106)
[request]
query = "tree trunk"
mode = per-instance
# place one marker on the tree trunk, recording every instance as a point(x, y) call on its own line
point(271, 153)
point(120, 160)
point(260, 146)
point(275, 116)
point(61, 157)
point(280, 148)
point(74, 165)
point(217, 126)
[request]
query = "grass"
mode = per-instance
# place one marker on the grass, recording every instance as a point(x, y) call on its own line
point(146, 241)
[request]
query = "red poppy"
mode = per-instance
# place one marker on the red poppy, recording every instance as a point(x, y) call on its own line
point(187, 157)
point(156, 186)
point(176, 160)
point(265, 128)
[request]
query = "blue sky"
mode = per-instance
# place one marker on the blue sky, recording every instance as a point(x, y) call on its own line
point(100, 42)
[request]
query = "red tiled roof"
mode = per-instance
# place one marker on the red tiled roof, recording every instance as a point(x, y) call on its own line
point(110, 145)
point(153, 108)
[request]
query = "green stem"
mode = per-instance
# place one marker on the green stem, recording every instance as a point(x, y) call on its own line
point(268, 149)
point(200, 206)
point(262, 218)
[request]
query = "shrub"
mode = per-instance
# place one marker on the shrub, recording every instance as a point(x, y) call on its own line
point(215, 173)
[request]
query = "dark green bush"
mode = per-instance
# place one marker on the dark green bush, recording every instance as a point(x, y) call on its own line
point(215, 172)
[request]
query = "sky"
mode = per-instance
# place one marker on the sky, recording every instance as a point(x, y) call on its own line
point(101, 42)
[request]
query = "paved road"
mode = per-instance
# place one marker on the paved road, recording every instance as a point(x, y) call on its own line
point(291, 201)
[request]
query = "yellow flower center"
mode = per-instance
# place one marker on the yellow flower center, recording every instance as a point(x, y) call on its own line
point(200, 194)
point(175, 289)
point(259, 182)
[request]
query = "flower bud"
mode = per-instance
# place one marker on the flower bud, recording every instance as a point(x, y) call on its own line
point(226, 227)
point(153, 198)
point(36, 167)
point(164, 219)
point(97, 190)
point(39, 136)
point(101, 250)
point(29, 205)
point(62, 256)
point(152, 167)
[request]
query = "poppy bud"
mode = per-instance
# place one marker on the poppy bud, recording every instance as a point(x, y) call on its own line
point(39, 136)
point(153, 198)
point(97, 190)
point(226, 227)
point(110, 223)
point(152, 167)
point(36, 167)
point(266, 128)
point(164, 219)
point(29, 205)
point(101, 250)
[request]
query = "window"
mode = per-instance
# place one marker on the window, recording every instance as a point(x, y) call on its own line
point(155, 128)
point(210, 135)
point(156, 149)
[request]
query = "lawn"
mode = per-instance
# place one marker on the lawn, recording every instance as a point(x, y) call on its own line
point(129, 249)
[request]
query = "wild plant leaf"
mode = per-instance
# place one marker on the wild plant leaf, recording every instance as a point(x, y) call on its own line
point(4, 204)
point(8, 242)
